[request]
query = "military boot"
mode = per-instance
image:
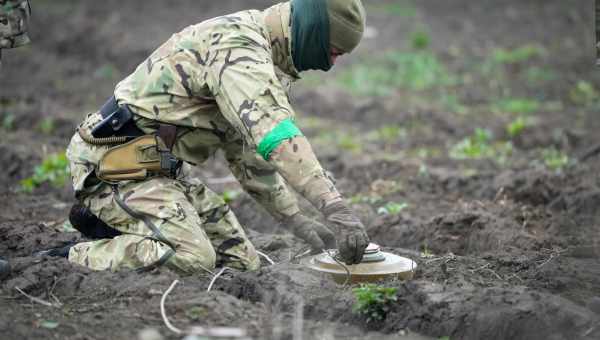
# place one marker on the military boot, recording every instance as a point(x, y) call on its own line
point(57, 252)
point(89, 225)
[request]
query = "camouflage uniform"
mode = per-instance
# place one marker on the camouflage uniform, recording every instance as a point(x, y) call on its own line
point(224, 83)
point(14, 19)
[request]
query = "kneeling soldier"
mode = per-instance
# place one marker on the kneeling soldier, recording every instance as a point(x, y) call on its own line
point(220, 84)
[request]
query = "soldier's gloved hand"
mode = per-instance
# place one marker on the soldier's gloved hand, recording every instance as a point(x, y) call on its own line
point(352, 239)
point(314, 233)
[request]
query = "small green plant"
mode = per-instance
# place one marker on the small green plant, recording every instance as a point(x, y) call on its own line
point(349, 142)
point(388, 133)
point(197, 313)
point(583, 93)
point(426, 253)
point(517, 126)
point(8, 121)
point(480, 145)
point(419, 40)
point(373, 301)
point(474, 146)
point(47, 125)
point(555, 159)
point(230, 195)
point(517, 105)
point(54, 170)
point(392, 208)
point(517, 55)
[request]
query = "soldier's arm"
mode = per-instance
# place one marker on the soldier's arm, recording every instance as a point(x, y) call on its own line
point(262, 181)
point(249, 95)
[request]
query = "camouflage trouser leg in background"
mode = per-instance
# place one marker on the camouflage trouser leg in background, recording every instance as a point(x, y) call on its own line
point(197, 221)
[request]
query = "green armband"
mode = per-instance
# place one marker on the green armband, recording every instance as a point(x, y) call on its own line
point(284, 130)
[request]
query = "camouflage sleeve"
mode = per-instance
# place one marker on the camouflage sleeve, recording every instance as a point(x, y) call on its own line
point(297, 163)
point(242, 79)
point(262, 181)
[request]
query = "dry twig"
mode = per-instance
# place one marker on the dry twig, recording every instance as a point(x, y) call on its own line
point(36, 299)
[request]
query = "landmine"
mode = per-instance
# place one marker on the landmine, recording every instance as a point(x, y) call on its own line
point(375, 266)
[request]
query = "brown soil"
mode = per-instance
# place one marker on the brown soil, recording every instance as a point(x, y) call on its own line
point(504, 251)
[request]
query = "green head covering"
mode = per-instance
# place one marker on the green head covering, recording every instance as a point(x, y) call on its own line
point(319, 24)
point(346, 22)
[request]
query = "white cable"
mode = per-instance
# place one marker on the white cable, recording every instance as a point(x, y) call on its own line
point(162, 309)
point(212, 282)
point(266, 257)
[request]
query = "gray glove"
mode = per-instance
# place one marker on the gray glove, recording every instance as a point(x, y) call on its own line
point(314, 233)
point(352, 239)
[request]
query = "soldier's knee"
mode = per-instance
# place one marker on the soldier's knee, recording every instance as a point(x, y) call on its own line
point(253, 263)
point(194, 262)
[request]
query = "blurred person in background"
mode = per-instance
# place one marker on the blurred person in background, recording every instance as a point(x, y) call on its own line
point(14, 22)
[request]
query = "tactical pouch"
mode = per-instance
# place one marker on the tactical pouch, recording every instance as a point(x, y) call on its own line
point(135, 160)
point(117, 121)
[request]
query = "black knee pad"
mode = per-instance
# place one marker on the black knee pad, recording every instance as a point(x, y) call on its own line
point(89, 225)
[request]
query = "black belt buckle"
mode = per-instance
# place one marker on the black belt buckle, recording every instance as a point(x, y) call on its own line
point(169, 163)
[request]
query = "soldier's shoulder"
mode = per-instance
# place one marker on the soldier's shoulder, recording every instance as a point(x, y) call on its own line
point(243, 21)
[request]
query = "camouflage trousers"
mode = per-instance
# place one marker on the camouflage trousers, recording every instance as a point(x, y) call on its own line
point(199, 225)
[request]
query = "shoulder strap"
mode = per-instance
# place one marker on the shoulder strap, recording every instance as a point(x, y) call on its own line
point(168, 133)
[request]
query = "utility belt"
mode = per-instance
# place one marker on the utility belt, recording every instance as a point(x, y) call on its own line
point(134, 154)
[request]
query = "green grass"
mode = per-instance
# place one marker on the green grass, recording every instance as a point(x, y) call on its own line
point(517, 55)
point(583, 93)
point(349, 142)
point(480, 145)
point(419, 40)
point(230, 195)
point(415, 71)
point(555, 159)
point(8, 121)
point(47, 125)
point(517, 126)
point(517, 105)
point(54, 169)
point(388, 133)
point(392, 208)
point(373, 301)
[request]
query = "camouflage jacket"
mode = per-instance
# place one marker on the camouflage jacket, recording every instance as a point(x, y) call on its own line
point(225, 83)
point(14, 19)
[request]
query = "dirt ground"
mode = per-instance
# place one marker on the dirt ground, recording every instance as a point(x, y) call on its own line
point(506, 249)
